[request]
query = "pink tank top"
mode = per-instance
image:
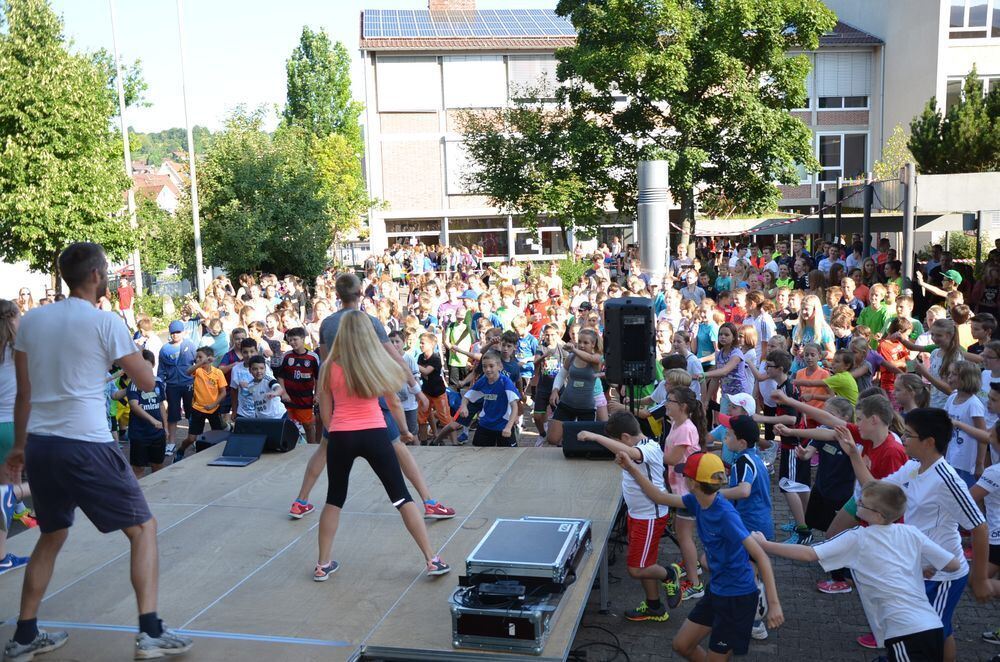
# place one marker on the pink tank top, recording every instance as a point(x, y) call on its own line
point(349, 411)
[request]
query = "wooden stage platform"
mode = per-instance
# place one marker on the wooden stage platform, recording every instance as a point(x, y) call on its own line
point(236, 571)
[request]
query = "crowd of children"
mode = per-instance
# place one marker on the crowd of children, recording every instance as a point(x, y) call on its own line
point(870, 414)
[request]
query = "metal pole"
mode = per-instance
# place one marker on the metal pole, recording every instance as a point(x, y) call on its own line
point(866, 222)
point(653, 217)
point(979, 238)
point(133, 222)
point(199, 267)
point(909, 181)
point(840, 205)
point(822, 211)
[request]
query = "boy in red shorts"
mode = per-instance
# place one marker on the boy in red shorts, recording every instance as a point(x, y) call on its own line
point(297, 374)
point(647, 519)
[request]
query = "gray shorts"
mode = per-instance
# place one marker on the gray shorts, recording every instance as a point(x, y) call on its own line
point(411, 421)
point(66, 473)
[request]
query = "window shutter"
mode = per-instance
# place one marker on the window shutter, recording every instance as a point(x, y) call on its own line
point(843, 74)
point(475, 81)
point(536, 73)
point(408, 83)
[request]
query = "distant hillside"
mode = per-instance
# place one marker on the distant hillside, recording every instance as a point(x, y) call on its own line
point(153, 148)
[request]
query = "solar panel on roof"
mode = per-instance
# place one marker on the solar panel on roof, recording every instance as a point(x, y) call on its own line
point(481, 23)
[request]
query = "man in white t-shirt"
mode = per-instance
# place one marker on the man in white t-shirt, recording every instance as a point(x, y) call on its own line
point(938, 504)
point(647, 520)
point(61, 357)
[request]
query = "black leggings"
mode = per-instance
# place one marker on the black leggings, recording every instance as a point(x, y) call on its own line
point(373, 445)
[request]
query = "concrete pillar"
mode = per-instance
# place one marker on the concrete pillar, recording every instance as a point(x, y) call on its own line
point(654, 217)
point(908, 248)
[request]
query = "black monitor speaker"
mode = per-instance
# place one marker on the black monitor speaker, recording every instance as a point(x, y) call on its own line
point(629, 340)
point(591, 450)
point(281, 433)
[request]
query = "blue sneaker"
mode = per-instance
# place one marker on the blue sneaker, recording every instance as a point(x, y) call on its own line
point(789, 527)
point(463, 438)
point(11, 562)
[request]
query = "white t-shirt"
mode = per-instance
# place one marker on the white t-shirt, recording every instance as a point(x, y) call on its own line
point(939, 504)
point(71, 344)
point(694, 367)
point(887, 562)
point(240, 373)
point(408, 394)
point(962, 448)
point(8, 386)
point(639, 505)
point(938, 397)
point(257, 400)
point(990, 483)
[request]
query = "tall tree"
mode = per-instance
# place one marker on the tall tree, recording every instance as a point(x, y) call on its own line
point(165, 239)
point(61, 176)
point(964, 139)
point(319, 89)
point(261, 202)
point(706, 85)
point(895, 155)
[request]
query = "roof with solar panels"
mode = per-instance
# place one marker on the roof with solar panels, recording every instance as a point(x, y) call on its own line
point(437, 29)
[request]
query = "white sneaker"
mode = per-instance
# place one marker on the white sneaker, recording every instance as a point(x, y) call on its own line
point(759, 631)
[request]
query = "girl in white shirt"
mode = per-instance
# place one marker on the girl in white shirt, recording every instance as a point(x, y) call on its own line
point(965, 454)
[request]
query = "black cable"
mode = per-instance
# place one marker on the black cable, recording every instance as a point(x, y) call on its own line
point(577, 652)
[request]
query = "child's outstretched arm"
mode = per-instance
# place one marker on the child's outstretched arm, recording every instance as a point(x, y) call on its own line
point(784, 550)
point(826, 434)
point(821, 416)
point(980, 435)
point(659, 496)
point(612, 445)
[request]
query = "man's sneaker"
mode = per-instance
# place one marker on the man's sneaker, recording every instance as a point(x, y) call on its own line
point(832, 587)
point(168, 643)
point(44, 642)
point(646, 613)
point(437, 510)
point(672, 585)
point(799, 537)
point(691, 591)
point(323, 572)
point(761, 601)
point(788, 527)
point(684, 572)
point(10, 562)
point(26, 518)
point(300, 510)
point(463, 439)
point(437, 567)
point(992, 637)
point(867, 640)
point(759, 631)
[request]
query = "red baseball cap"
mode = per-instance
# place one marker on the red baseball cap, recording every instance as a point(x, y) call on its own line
point(704, 468)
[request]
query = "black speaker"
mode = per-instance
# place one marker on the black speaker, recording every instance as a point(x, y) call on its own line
point(281, 433)
point(591, 450)
point(209, 439)
point(629, 341)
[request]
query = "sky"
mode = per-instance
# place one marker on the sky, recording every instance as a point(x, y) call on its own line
point(235, 49)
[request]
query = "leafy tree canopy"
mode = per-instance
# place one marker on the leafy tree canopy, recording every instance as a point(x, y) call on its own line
point(706, 85)
point(61, 174)
point(261, 201)
point(158, 146)
point(965, 139)
point(895, 155)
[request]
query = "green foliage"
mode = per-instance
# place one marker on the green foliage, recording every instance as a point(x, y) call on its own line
point(157, 147)
point(895, 155)
point(343, 189)
point(165, 240)
point(706, 85)
point(570, 271)
point(261, 201)
point(965, 139)
point(319, 96)
point(61, 174)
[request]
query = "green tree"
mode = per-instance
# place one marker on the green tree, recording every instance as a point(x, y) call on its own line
point(895, 155)
point(261, 201)
point(165, 239)
point(706, 85)
point(157, 147)
point(342, 183)
point(61, 175)
point(319, 89)
point(965, 139)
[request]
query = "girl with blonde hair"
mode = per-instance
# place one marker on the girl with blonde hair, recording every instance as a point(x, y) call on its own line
point(356, 372)
point(10, 314)
point(812, 327)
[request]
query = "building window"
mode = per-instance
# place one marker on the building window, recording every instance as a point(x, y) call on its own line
point(478, 223)
point(845, 103)
point(413, 226)
point(494, 242)
point(842, 155)
point(475, 81)
point(531, 76)
point(458, 165)
point(974, 19)
point(408, 83)
point(955, 89)
point(843, 78)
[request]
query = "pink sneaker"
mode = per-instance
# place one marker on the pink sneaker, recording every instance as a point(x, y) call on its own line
point(831, 587)
point(867, 640)
point(298, 510)
point(437, 510)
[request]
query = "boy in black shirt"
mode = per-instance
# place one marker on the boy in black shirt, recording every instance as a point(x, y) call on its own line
point(433, 386)
point(147, 440)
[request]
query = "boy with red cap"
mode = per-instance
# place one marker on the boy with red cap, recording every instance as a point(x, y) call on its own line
point(727, 612)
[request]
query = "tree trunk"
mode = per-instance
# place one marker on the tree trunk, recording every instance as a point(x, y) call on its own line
point(55, 276)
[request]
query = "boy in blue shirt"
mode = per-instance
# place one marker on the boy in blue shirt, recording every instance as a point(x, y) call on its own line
point(176, 357)
point(726, 614)
point(147, 441)
point(499, 396)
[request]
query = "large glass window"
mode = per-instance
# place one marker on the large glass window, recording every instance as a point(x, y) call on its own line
point(842, 155)
point(413, 226)
point(843, 103)
point(494, 242)
point(974, 19)
point(955, 89)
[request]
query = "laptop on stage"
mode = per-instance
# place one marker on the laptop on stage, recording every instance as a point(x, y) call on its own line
point(240, 450)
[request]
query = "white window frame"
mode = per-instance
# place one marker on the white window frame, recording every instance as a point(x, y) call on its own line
point(842, 134)
point(511, 93)
point(867, 106)
point(984, 79)
point(494, 70)
point(388, 105)
point(988, 28)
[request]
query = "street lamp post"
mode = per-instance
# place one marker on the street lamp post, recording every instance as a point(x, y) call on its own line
point(199, 267)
